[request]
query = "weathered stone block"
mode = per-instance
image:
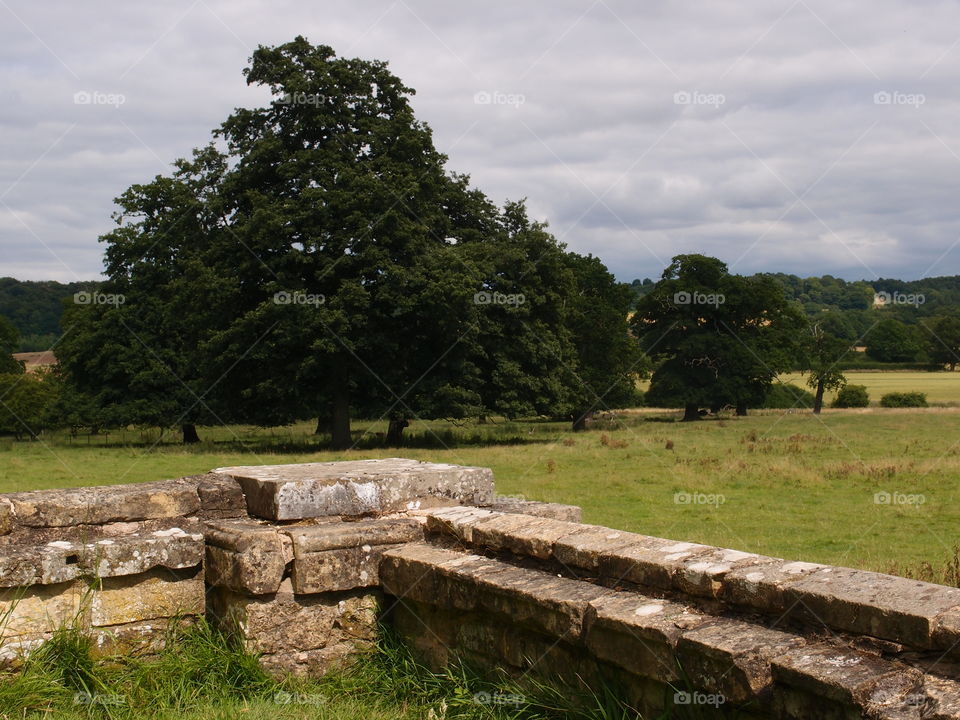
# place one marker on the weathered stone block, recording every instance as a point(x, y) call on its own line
point(847, 677)
point(703, 573)
point(34, 612)
point(765, 587)
point(867, 603)
point(340, 569)
point(133, 554)
point(100, 505)
point(520, 534)
point(331, 536)
point(648, 561)
point(160, 593)
point(137, 638)
point(285, 622)
point(639, 633)
point(246, 556)
point(583, 548)
point(314, 663)
point(50, 564)
point(6, 516)
point(457, 522)
point(733, 658)
point(552, 511)
point(298, 491)
point(220, 497)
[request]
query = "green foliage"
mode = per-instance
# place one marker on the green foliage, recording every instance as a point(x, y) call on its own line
point(943, 340)
point(892, 341)
point(35, 307)
point(719, 339)
point(783, 396)
point(9, 339)
point(904, 399)
point(852, 396)
point(27, 403)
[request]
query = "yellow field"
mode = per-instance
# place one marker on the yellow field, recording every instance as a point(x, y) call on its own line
point(940, 387)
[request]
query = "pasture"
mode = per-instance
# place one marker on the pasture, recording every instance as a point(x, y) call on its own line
point(872, 488)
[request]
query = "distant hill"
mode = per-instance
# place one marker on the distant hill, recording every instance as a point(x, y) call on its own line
point(35, 307)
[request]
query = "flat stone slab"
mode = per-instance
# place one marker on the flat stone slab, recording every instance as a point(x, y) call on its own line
point(307, 490)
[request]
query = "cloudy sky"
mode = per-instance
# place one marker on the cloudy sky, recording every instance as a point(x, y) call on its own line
point(806, 136)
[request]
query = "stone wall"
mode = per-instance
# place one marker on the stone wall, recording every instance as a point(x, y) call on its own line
point(302, 562)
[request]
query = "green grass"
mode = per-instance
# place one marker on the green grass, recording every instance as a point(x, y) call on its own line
point(200, 675)
point(940, 387)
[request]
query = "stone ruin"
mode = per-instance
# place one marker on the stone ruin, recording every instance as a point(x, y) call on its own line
point(304, 562)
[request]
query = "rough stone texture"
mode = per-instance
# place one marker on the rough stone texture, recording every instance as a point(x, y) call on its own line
point(136, 638)
point(583, 548)
point(520, 534)
point(105, 504)
point(331, 536)
point(552, 511)
point(32, 613)
point(132, 554)
point(302, 634)
point(160, 593)
point(246, 556)
point(765, 587)
point(457, 522)
point(341, 569)
point(846, 678)
point(733, 657)
point(648, 561)
point(49, 564)
point(639, 633)
point(220, 497)
point(866, 603)
point(6, 516)
point(298, 491)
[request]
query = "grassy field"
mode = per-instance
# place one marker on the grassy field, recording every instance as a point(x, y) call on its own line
point(786, 484)
point(940, 387)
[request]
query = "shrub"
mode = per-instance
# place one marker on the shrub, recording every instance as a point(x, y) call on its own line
point(906, 399)
point(852, 396)
point(782, 396)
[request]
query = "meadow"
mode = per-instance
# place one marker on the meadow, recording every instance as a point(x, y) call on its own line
point(873, 488)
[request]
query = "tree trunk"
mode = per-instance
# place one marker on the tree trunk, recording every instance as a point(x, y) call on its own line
point(691, 412)
point(340, 413)
point(741, 408)
point(818, 398)
point(580, 420)
point(482, 420)
point(323, 425)
point(189, 431)
point(395, 431)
